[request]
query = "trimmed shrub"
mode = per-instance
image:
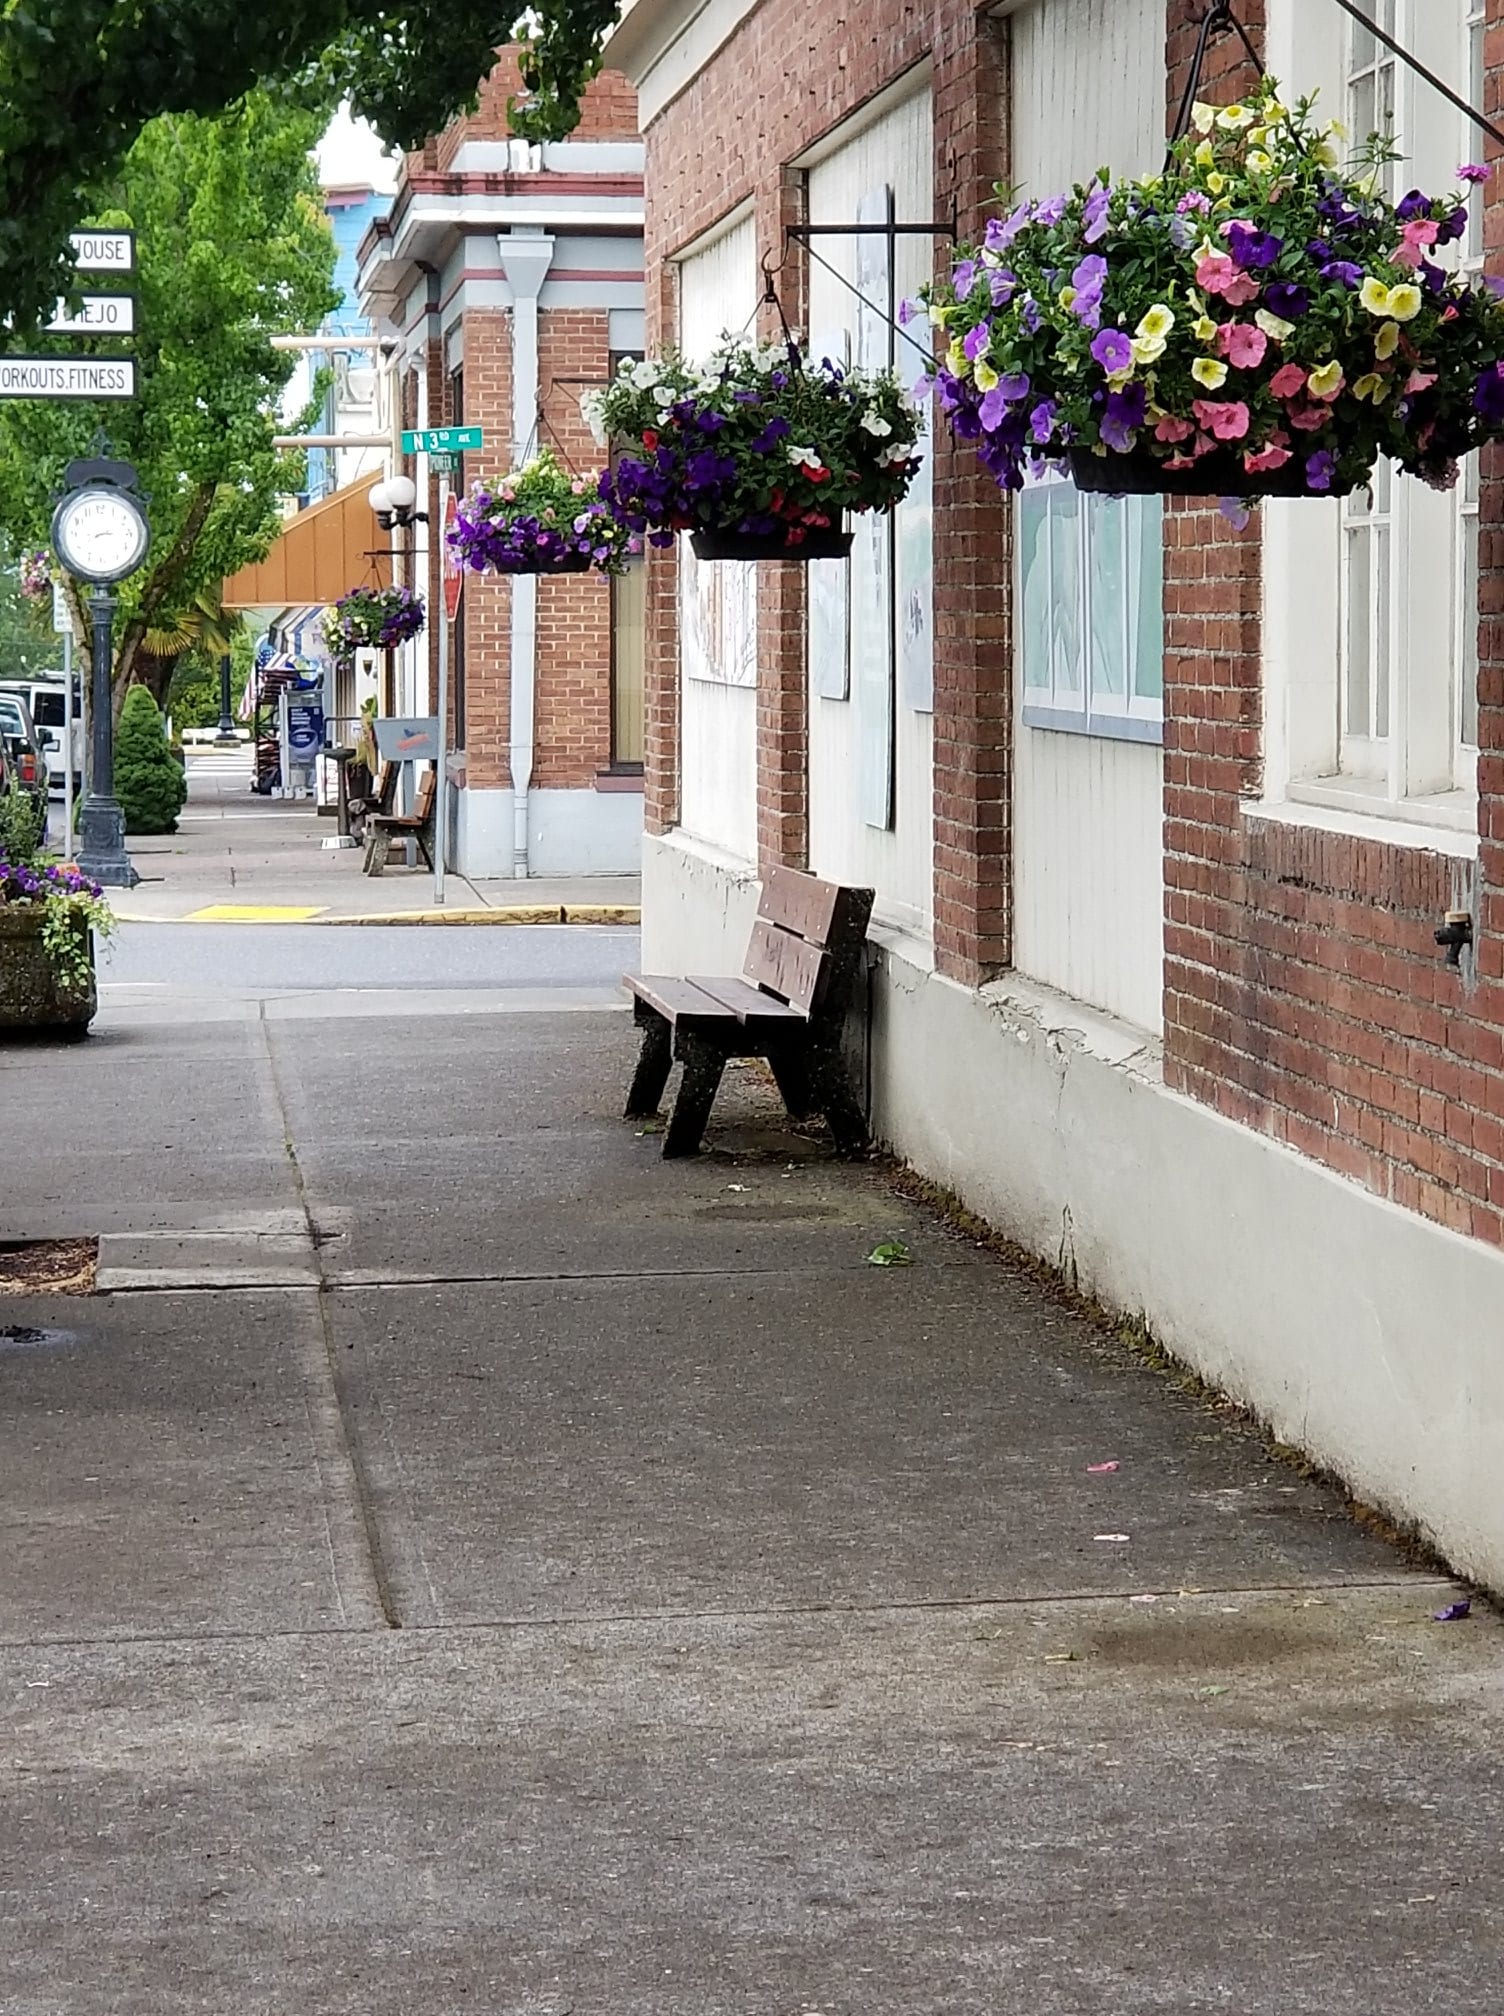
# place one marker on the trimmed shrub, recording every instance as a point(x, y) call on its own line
point(149, 780)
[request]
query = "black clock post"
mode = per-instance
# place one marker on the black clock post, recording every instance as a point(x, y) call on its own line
point(100, 534)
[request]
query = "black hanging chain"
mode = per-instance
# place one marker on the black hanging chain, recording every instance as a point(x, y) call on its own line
point(1218, 18)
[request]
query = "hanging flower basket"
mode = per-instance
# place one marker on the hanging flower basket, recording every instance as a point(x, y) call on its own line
point(761, 456)
point(1251, 323)
point(540, 520)
point(372, 619)
point(36, 575)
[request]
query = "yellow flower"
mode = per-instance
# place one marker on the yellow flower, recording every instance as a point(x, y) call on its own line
point(1404, 302)
point(1147, 349)
point(1375, 297)
point(1258, 136)
point(986, 377)
point(1210, 372)
point(1325, 380)
point(1260, 162)
point(1203, 117)
point(940, 316)
point(1326, 154)
point(1206, 155)
point(956, 360)
point(1157, 324)
point(1205, 331)
point(1372, 386)
point(1275, 327)
point(1235, 118)
point(1216, 182)
point(1067, 296)
point(1334, 130)
point(1387, 341)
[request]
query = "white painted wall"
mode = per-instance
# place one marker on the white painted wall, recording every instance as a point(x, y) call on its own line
point(718, 290)
point(1088, 92)
point(893, 150)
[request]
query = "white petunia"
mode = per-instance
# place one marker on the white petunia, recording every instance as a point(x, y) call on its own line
point(804, 458)
point(874, 423)
point(644, 375)
point(664, 397)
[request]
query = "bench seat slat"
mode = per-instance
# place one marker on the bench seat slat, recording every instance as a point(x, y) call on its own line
point(677, 1000)
point(749, 1004)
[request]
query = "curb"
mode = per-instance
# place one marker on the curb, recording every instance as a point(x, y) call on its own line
point(514, 913)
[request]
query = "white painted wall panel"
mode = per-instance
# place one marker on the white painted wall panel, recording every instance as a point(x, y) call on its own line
point(896, 151)
point(718, 290)
point(1088, 83)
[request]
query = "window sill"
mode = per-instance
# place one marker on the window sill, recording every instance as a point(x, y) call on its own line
point(1105, 727)
point(619, 780)
point(1444, 824)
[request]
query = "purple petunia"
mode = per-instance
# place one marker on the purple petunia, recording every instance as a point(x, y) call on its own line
point(1030, 316)
point(963, 278)
point(1414, 204)
point(907, 310)
point(975, 340)
point(1001, 231)
point(1113, 351)
point(1014, 385)
point(1042, 420)
point(1287, 300)
point(1453, 226)
point(1488, 396)
point(1122, 416)
point(1253, 250)
point(1320, 469)
point(771, 435)
point(1094, 215)
point(1002, 285)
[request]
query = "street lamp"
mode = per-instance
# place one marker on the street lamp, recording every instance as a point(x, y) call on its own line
point(226, 719)
point(393, 502)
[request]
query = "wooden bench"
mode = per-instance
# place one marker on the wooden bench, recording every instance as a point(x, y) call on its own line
point(380, 798)
point(384, 828)
point(801, 971)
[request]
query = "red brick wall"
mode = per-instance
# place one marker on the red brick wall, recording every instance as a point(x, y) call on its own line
point(608, 111)
point(789, 74)
point(1304, 994)
point(487, 608)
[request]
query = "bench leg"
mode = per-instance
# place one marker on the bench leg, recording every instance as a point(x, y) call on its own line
point(790, 1069)
point(377, 848)
point(653, 1067)
point(836, 1100)
point(703, 1064)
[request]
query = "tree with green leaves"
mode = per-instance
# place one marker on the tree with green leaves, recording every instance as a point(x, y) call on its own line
point(233, 248)
point(80, 80)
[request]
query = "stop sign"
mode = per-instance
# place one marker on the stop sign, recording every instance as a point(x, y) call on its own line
point(454, 567)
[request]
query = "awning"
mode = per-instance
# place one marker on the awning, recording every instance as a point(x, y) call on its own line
point(318, 556)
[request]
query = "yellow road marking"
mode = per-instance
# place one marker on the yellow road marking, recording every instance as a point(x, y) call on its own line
point(255, 913)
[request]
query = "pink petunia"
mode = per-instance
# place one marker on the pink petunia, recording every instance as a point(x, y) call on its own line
point(1309, 418)
point(1242, 344)
point(1225, 419)
point(1267, 458)
point(1287, 381)
point(1420, 381)
point(1220, 275)
point(1171, 429)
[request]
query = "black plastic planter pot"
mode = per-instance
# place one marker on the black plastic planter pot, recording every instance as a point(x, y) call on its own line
point(1217, 475)
point(769, 546)
point(572, 563)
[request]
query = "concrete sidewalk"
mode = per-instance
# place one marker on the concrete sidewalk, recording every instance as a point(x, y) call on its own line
point(238, 858)
point(465, 1562)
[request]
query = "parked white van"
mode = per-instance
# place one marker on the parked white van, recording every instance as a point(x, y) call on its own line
point(43, 694)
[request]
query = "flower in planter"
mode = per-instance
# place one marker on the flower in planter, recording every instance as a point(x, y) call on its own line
point(36, 575)
point(762, 444)
point(372, 618)
point(1252, 320)
point(67, 904)
point(541, 520)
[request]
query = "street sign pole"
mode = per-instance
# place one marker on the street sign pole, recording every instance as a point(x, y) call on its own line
point(68, 743)
point(451, 583)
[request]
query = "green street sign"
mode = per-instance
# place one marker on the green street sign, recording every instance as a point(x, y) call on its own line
point(441, 440)
point(444, 465)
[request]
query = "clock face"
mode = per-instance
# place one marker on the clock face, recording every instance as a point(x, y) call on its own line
point(100, 534)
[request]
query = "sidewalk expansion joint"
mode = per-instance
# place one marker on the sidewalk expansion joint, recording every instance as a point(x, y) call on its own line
point(1424, 1587)
point(362, 1284)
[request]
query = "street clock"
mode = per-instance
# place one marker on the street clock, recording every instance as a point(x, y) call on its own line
point(100, 533)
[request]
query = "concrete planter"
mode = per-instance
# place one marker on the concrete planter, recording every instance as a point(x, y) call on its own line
point(32, 995)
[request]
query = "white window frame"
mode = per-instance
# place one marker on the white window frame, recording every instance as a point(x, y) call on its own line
point(1399, 757)
point(1081, 706)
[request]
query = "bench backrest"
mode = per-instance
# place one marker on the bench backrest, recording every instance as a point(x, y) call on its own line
point(386, 787)
point(423, 802)
point(807, 940)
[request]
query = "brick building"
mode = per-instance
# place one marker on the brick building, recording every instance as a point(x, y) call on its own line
point(506, 278)
point(1161, 815)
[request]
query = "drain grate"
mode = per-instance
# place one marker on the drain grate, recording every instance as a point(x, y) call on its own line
point(48, 1266)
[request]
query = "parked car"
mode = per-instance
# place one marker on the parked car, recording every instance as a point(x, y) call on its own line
point(28, 761)
point(45, 696)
